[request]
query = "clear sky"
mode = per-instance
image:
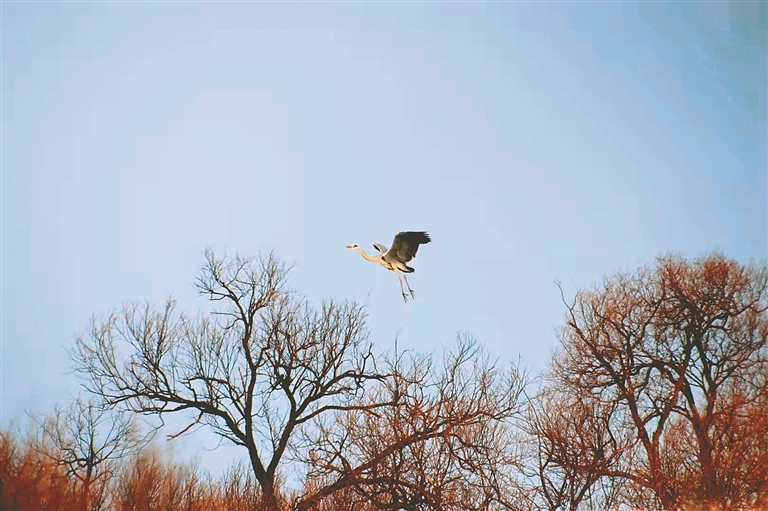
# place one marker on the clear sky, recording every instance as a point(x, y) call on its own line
point(535, 142)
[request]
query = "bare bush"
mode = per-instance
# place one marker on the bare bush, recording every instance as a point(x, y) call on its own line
point(86, 440)
point(30, 481)
point(445, 443)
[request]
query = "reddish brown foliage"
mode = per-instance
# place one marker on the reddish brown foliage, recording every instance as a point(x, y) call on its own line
point(32, 481)
point(29, 481)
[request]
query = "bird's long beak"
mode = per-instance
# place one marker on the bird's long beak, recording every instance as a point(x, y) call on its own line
point(350, 246)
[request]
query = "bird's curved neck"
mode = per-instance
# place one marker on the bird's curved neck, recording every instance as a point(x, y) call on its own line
point(367, 256)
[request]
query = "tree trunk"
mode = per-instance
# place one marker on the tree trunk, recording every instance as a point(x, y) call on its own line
point(708, 469)
point(89, 469)
point(659, 478)
point(86, 493)
point(269, 496)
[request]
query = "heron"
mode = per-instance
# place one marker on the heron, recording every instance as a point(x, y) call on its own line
point(403, 250)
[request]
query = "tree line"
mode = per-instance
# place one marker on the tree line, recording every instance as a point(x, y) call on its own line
point(656, 398)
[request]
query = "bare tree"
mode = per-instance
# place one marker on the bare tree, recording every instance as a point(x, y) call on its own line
point(261, 368)
point(86, 439)
point(678, 354)
point(445, 443)
point(572, 448)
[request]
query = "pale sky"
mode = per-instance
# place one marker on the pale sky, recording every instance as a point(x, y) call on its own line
point(535, 142)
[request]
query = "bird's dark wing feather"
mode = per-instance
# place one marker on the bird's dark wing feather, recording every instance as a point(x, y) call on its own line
point(406, 244)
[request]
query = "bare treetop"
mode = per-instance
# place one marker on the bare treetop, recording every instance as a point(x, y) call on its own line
point(674, 354)
point(262, 366)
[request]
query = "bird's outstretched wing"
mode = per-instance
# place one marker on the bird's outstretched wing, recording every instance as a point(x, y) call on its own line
point(406, 244)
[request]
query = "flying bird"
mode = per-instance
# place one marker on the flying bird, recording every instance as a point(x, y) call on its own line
point(404, 248)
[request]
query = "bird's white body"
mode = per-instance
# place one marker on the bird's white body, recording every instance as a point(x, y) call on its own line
point(404, 248)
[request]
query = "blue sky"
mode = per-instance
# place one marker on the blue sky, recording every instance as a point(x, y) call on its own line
point(534, 141)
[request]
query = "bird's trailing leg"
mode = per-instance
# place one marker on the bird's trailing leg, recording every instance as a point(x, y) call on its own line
point(405, 296)
point(409, 286)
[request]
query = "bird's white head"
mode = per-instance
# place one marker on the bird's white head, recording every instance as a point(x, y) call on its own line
point(352, 247)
